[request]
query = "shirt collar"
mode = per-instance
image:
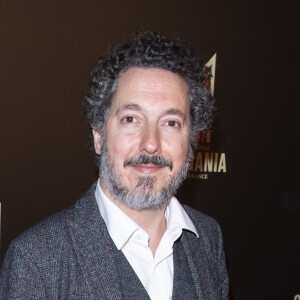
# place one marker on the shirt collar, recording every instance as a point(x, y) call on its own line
point(121, 227)
point(178, 219)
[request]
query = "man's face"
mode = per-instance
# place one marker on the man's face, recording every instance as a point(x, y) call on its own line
point(145, 142)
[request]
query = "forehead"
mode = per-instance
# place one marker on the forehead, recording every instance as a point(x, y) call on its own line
point(153, 86)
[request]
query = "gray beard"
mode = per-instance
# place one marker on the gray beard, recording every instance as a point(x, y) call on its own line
point(143, 196)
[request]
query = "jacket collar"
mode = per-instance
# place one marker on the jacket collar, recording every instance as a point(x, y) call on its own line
point(93, 245)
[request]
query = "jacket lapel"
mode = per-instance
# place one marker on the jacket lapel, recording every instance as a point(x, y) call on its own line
point(93, 247)
point(198, 264)
point(203, 267)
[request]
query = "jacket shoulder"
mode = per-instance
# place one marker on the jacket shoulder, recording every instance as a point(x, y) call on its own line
point(41, 257)
point(54, 228)
point(50, 232)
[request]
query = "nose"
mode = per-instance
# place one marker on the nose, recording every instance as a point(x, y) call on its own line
point(150, 140)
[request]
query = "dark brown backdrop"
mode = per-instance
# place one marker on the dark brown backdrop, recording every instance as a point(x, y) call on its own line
point(47, 51)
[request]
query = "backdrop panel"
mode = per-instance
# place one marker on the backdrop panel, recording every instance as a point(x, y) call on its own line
point(47, 51)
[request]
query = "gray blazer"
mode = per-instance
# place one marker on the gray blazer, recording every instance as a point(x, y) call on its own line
point(68, 256)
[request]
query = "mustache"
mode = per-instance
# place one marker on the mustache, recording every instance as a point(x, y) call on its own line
point(146, 159)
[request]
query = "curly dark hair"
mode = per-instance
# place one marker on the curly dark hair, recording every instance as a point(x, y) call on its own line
point(148, 49)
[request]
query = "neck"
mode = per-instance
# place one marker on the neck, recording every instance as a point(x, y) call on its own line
point(152, 221)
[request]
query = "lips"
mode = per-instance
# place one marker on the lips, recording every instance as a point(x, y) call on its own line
point(146, 168)
point(146, 161)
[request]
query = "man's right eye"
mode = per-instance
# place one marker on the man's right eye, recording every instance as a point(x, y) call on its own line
point(128, 119)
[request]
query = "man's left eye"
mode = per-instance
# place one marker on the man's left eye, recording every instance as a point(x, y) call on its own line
point(172, 123)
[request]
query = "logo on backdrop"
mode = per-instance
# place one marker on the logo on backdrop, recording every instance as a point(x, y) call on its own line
point(207, 161)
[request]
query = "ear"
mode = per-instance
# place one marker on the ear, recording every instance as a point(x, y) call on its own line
point(97, 139)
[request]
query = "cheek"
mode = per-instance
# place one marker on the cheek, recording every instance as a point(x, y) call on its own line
point(181, 154)
point(177, 151)
point(119, 148)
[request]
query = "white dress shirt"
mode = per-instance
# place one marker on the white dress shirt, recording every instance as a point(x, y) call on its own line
point(155, 273)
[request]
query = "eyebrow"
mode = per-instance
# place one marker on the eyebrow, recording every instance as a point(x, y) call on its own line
point(137, 107)
point(173, 111)
point(129, 106)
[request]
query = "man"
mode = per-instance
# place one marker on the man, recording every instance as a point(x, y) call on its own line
point(128, 237)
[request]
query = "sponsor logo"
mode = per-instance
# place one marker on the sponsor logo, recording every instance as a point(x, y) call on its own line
point(207, 161)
